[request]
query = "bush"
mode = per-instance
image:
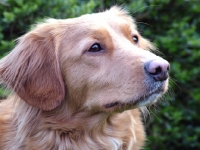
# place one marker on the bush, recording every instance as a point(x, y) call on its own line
point(174, 26)
point(18, 15)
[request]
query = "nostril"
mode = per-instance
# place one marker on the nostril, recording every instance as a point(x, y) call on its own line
point(157, 69)
point(168, 67)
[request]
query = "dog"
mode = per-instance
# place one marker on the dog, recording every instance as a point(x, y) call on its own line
point(79, 84)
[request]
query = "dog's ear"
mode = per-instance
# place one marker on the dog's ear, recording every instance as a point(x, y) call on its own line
point(32, 70)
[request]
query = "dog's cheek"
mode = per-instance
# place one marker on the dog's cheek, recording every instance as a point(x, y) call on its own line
point(76, 77)
point(116, 85)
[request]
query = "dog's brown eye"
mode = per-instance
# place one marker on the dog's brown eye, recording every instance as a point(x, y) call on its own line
point(135, 39)
point(95, 48)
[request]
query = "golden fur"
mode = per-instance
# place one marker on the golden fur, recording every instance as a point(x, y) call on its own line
point(65, 97)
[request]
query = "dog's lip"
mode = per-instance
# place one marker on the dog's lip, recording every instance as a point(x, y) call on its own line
point(144, 100)
point(109, 105)
point(147, 99)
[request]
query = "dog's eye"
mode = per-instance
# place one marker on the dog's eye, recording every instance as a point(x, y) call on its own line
point(95, 48)
point(135, 39)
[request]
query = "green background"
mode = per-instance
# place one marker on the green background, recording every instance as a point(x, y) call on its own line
point(173, 25)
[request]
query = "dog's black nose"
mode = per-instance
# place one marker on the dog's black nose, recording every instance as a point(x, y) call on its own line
point(157, 69)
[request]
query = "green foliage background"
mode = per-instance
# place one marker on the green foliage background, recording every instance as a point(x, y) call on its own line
point(173, 25)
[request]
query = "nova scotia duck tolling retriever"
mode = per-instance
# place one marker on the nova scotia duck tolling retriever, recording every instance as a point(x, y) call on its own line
point(79, 84)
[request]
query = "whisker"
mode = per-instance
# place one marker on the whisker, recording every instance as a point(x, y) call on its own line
point(173, 81)
point(143, 23)
point(154, 115)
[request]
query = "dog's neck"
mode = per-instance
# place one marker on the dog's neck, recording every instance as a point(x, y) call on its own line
point(79, 127)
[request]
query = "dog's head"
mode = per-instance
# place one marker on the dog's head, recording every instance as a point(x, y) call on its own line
point(96, 61)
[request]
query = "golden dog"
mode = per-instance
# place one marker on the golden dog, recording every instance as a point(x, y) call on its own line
point(77, 84)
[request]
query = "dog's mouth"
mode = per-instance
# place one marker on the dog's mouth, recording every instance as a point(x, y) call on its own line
point(148, 99)
point(144, 100)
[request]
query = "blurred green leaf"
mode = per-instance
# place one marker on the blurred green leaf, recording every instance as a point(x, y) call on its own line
point(174, 26)
point(8, 17)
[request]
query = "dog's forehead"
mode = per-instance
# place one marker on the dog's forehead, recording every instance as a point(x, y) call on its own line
point(101, 26)
point(116, 19)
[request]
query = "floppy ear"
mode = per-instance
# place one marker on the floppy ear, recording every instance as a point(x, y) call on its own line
point(32, 71)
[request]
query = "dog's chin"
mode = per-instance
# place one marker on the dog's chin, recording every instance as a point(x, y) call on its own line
point(148, 99)
point(144, 100)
